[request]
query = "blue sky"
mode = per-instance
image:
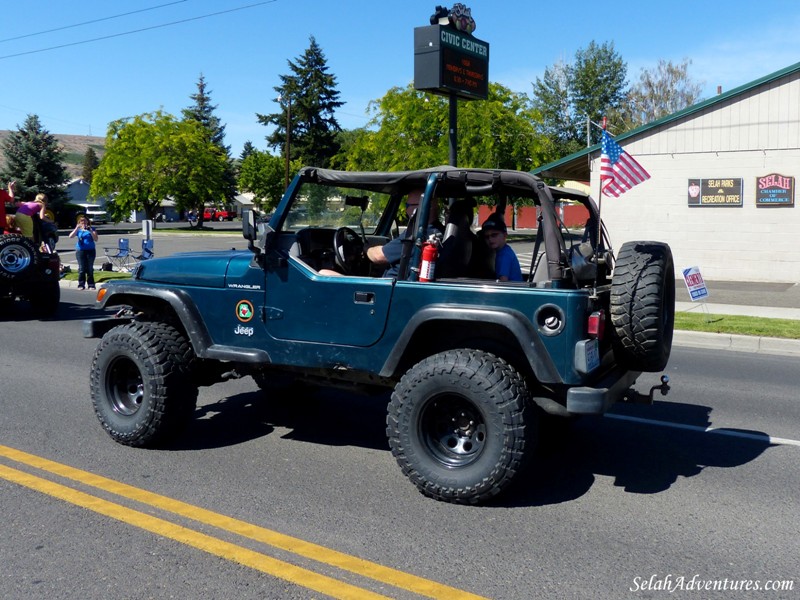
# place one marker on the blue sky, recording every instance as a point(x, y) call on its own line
point(79, 88)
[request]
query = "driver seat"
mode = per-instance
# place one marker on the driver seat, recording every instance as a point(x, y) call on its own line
point(457, 242)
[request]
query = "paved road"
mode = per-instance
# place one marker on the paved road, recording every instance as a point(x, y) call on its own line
point(611, 503)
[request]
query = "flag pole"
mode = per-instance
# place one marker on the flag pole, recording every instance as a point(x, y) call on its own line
point(599, 238)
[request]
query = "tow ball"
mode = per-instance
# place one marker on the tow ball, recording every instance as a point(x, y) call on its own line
point(635, 397)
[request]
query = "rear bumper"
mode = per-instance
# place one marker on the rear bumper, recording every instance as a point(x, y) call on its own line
point(598, 399)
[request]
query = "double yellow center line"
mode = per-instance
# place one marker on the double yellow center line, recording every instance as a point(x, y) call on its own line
point(256, 560)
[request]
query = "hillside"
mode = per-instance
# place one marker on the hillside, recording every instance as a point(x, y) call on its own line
point(75, 147)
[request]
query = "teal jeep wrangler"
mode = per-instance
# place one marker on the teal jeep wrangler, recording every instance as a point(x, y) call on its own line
point(474, 364)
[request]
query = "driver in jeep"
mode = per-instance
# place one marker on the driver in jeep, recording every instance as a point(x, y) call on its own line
point(388, 255)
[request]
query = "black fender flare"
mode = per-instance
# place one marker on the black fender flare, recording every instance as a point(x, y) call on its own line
point(133, 294)
point(513, 321)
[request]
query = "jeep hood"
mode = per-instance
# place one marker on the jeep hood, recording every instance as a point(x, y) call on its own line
point(203, 269)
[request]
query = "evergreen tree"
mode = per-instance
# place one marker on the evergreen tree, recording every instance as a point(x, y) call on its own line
point(202, 111)
point(310, 96)
point(247, 150)
point(90, 162)
point(35, 160)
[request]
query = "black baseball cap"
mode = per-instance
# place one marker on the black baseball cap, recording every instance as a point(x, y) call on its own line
point(493, 223)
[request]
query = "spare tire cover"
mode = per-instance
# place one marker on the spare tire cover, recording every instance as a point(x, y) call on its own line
point(18, 256)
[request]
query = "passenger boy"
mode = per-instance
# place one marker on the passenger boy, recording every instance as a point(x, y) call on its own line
point(506, 263)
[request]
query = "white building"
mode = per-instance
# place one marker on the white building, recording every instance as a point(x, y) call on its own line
point(722, 186)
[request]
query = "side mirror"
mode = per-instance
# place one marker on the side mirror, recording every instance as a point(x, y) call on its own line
point(249, 226)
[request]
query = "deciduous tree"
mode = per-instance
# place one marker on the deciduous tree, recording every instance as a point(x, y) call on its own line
point(409, 130)
point(591, 87)
point(660, 91)
point(262, 174)
point(154, 156)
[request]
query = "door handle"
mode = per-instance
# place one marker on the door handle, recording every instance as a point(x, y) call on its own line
point(364, 298)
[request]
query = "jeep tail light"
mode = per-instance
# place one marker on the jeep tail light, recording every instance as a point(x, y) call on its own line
point(597, 324)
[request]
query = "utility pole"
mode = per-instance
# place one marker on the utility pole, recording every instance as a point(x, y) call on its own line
point(288, 137)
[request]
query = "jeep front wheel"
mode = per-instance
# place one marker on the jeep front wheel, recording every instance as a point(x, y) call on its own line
point(140, 385)
point(460, 425)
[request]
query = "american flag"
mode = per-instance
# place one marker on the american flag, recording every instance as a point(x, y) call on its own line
point(619, 172)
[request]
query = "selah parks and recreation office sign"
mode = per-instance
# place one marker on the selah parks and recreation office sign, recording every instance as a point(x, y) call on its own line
point(715, 192)
point(448, 61)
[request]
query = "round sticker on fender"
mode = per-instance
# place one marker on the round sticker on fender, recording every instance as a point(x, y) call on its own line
point(244, 311)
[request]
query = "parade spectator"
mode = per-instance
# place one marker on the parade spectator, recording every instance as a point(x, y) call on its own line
point(85, 251)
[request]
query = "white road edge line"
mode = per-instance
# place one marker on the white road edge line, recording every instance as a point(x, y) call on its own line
point(741, 434)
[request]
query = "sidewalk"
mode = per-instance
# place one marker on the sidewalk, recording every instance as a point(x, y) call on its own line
point(751, 299)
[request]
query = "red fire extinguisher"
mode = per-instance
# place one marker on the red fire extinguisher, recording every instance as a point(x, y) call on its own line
point(430, 252)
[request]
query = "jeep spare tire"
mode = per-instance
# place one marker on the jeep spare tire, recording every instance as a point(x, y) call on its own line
point(643, 305)
point(18, 256)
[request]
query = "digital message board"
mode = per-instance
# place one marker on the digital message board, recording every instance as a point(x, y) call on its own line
point(448, 61)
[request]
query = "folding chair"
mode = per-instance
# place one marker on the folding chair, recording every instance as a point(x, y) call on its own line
point(147, 250)
point(121, 256)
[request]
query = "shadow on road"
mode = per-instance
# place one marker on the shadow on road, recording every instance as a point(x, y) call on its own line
point(642, 458)
point(67, 311)
point(316, 415)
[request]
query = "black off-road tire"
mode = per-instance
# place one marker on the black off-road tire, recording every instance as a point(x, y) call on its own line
point(18, 257)
point(643, 305)
point(44, 298)
point(141, 386)
point(461, 426)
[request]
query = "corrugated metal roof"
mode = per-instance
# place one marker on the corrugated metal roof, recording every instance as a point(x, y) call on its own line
point(576, 165)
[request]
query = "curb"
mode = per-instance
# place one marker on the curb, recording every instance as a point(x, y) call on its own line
point(736, 343)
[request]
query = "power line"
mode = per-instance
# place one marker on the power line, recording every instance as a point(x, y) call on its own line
point(133, 12)
point(114, 35)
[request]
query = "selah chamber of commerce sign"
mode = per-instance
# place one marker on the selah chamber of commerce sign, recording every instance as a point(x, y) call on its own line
point(715, 192)
point(774, 190)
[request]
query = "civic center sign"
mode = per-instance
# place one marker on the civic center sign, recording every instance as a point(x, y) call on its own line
point(448, 60)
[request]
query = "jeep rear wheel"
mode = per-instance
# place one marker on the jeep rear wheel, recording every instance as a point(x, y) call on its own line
point(140, 385)
point(460, 425)
point(643, 305)
point(18, 256)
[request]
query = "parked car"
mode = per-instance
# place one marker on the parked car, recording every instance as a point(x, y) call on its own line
point(96, 214)
point(218, 214)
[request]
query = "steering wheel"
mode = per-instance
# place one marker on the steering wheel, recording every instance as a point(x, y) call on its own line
point(348, 248)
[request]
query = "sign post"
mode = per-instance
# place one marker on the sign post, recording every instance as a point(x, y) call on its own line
point(696, 286)
point(450, 61)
